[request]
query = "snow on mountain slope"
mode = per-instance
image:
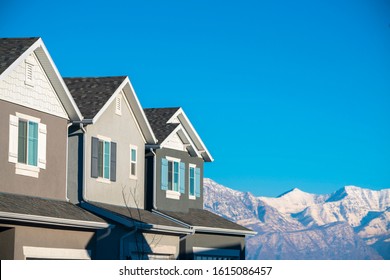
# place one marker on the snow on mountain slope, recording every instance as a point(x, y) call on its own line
point(294, 201)
point(352, 223)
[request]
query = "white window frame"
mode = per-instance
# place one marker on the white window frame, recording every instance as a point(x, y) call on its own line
point(99, 178)
point(192, 197)
point(26, 169)
point(133, 147)
point(172, 194)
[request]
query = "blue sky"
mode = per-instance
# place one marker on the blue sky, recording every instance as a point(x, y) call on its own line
point(283, 93)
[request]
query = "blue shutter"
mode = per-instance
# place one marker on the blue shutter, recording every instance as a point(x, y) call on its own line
point(94, 157)
point(113, 162)
point(197, 182)
point(164, 174)
point(182, 176)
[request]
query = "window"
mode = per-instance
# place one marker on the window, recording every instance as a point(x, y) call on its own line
point(192, 182)
point(103, 159)
point(27, 144)
point(173, 177)
point(133, 161)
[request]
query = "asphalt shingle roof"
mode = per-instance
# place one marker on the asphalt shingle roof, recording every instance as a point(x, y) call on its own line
point(28, 205)
point(12, 48)
point(158, 118)
point(90, 94)
point(138, 215)
point(204, 218)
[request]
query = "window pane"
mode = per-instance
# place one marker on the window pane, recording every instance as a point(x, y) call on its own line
point(106, 160)
point(133, 155)
point(133, 168)
point(176, 176)
point(170, 171)
point(100, 159)
point(22, 142)
point(32, 143)
point(192, 181)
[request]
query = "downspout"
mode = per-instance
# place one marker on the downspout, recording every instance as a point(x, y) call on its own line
point(121, 243)
point(67, 163)
point(154, 179)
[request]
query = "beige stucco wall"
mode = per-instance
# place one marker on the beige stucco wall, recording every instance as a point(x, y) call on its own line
point(51, 182)
point(48, 237)
point(123, 130)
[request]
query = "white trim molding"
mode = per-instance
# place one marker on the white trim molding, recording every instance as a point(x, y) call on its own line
point(56, 253)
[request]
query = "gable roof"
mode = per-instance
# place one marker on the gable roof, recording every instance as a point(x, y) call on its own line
point(30, 209)
point(94, 94)
point(14, 50)
point(91, 94)
point(142, 219)
point(167, 121)
point(158, 119)
point(204, 221)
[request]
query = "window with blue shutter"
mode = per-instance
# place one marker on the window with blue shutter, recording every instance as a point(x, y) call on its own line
point(113, 162)
point(182, 176)
point(197, 182)
point(164, 174)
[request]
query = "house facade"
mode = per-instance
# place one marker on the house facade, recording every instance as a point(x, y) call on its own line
point(175, 168)
point(36, 219)
point(108, 147)
point(87, 173)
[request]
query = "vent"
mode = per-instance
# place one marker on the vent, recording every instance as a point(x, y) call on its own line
point(118, 105)
point(29, 74)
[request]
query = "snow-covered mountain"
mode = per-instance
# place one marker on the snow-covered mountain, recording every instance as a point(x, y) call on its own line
point(351, 223)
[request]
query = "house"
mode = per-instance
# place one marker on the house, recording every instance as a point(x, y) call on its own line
point(36, 219)
point(174, 187)
point(106, 172)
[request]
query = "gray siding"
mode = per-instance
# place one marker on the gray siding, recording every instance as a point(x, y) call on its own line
point(75, 164)
point(124, 131)
point(52, 180)
point(168, 204)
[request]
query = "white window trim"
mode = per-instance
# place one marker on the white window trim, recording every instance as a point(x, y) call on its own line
point(133, 147)
point(172, 159)
point(23, 168)
point(173, 194)
point(191, 197)
point(103, 180)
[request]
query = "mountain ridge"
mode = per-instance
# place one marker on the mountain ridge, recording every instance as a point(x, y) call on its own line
point(350, 223)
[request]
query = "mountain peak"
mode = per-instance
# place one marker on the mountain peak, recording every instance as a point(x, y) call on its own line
point(292, 191)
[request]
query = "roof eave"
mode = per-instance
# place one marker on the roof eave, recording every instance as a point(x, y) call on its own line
point(34, 219)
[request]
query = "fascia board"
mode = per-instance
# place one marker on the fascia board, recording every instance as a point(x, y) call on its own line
point(127, 221)
point(140, 114)
point(176, 130)
point(189, 128)
point(223, 231)
point(57, 81)
point(51, 221)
